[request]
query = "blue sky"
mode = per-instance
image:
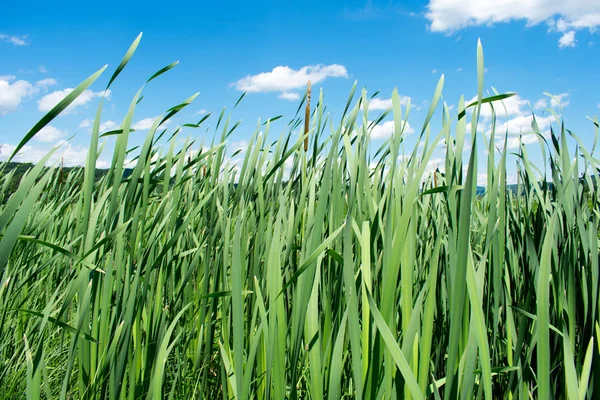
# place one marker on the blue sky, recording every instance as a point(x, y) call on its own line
point(270, 49)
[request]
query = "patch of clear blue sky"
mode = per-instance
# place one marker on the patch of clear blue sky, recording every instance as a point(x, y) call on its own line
point(382, 44)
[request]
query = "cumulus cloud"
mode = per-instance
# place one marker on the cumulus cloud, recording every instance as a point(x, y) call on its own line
point(520, 131)
point(13, 92)
point(480, 127)
point(561, 16)
point(145, 124)
point(14, 39)
point(562, 100)
point(285, 79)
point(386, 129)
point(482, 179)
point(516, 106)
point(50, 100)
point(435, 164)
point(49, 134)
point(70, 155)
point(514, 142)
point(290, 96)
point(240, 145)
point(567, 40)
point(108, 126)
point(384, 104)
point(541, 103)
point(516, 120)
point(46, 83)
point(555, 101)
point(522, 123)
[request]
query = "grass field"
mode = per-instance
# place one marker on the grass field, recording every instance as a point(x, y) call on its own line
point(343, 271)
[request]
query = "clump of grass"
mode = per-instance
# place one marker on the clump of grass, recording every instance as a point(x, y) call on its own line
point(328, 271)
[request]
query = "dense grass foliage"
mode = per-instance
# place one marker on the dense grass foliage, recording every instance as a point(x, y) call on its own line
point(341, 271)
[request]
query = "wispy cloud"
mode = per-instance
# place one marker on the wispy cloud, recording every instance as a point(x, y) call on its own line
point(14, 39)
point(375, 10)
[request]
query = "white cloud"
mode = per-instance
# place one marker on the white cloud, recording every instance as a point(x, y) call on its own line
point(541, 103)
point(108, 126)
point(385, 130)
point(202, 112)
point(459, 69)
point(561, 16)
point(384, 104)
point(12, 92)
point(482, 179)
point(514, 105)
point(567, 40)
point(480, 127)
point(433, 71)
point(68, 154)
point(43, 69)
point(50, 100)
point(515, 141)
point(558, 100)
point(289, 96)
point(146, 123)
point(104, 127)
point(46, 83)
point(240, 145)
point(511, 179)
point(522, 124)
point(435, 164)
point(13, 39)
point(562, 100)
point(49, 134)
point(286, 79)
point(143, 124)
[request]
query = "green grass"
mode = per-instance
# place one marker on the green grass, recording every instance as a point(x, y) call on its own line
point(337, 272)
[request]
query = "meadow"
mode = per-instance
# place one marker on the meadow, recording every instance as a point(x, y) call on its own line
point(339, 270)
